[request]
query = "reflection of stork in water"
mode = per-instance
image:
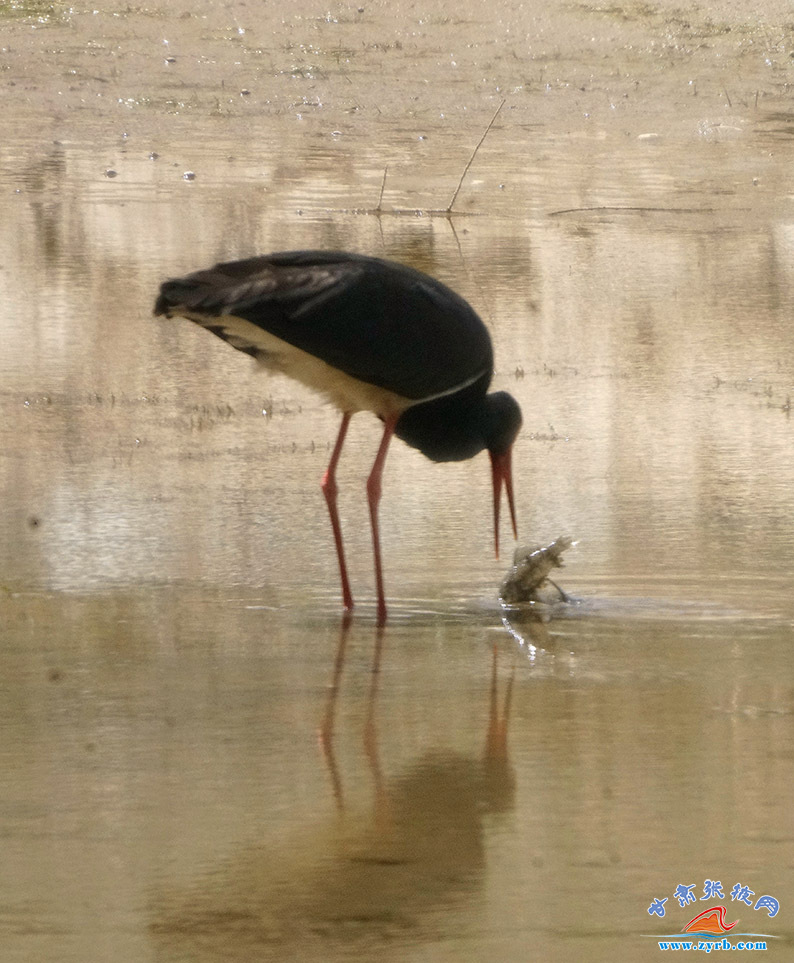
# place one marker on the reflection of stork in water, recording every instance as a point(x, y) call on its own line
point(410, 873)
point(326, 732)
point(495, 754)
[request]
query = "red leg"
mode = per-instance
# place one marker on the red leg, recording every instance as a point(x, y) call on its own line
point(373, 497)
point(330, 490)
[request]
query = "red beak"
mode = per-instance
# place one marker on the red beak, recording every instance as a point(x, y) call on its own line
point(501, 472)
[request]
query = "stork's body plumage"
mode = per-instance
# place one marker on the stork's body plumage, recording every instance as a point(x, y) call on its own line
point(370, 335)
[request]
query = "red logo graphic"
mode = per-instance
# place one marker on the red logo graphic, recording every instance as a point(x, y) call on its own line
point(711, 920)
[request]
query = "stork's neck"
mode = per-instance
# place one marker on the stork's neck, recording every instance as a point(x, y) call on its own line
point(460, 426)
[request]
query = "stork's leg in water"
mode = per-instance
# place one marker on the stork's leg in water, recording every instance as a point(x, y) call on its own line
point(374, 489)
point(330, 491)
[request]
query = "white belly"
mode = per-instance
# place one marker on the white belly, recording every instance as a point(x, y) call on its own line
point(347, 393)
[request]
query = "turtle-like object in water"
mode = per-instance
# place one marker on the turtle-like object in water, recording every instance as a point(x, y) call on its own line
point(528, 579)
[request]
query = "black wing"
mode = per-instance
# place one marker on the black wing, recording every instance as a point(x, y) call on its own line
point(381, 322)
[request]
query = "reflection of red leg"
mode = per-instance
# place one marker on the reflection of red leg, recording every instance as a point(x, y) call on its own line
point(326, 731)
point(496, 740)
point(371, 735)
point(373, 497)
point(329, 488)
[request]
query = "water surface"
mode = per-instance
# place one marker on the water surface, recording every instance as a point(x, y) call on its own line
point(200, 760)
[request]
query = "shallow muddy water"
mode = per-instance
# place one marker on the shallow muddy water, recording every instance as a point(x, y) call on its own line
point(200, 760)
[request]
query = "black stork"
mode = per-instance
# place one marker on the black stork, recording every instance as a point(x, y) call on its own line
point(370, 335)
